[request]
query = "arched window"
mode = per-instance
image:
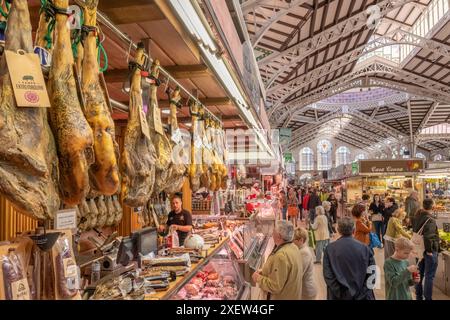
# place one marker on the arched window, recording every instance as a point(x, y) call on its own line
point(306, 159)
point(360, 156)
point(324, 155)
point(438, 157)
point(420, 155)
point(342, 156)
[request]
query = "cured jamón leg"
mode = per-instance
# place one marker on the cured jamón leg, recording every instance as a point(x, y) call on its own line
point(72, 132)
point(28, 159)
point(137, 161)
point(104, 173)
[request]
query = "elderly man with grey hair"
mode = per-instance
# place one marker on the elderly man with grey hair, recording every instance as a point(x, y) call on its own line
point(412, 205)
point(348, 266)
point(281, 276)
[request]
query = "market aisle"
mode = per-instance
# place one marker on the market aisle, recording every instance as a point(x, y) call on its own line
point(379, 293)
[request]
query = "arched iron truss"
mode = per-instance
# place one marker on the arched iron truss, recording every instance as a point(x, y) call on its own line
point(359, 78)
point(282, 91)
point(291, 56)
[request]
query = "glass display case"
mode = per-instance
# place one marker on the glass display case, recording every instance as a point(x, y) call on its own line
point(217, 278)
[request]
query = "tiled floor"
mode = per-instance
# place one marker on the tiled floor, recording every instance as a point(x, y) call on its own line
point(379, 293)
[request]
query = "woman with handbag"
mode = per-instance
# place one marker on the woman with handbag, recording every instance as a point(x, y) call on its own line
point(394, 231)
point(292, 202)
point(376, 209)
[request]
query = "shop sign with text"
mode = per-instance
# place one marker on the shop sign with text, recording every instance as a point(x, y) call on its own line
point(390, 166)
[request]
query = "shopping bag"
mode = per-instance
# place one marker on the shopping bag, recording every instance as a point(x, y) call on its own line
point(292, 211)
point(374, 241)
point(417, 239)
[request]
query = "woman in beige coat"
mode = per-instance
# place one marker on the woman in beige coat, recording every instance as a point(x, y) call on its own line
point(309, 290)
point(321, 233)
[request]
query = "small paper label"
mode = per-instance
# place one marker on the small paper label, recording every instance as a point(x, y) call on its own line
point(70, 268)
point(176, 136)
point(144, 126)
point(20, 290)
point(66, 219)
point(27, 79)
point(157, 121)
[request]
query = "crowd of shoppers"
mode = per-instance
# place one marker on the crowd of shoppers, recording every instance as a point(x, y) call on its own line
point(347, 257)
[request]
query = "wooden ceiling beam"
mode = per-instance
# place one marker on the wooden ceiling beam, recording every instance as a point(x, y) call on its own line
point(207, 102)
point(130, 11)
point(178, 72)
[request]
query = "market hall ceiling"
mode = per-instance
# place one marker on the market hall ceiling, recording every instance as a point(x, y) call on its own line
point(308, 51)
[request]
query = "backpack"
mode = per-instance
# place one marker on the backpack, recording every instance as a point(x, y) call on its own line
point(417, 239)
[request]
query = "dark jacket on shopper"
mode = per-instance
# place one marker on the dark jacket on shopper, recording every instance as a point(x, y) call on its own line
point(387, 213)
point(411, 206)
point(430, 230)
point(345, 269)
point(314, 201)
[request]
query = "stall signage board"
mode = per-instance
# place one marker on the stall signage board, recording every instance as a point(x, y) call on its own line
point(66, 219)
point(355, 168)
point(288, 157)
point(390, 167)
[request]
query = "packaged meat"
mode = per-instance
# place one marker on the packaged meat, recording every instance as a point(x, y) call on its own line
point(236, 250)
point(191, 289)
point(13, 277)
point(65, 268)
point(213, 276)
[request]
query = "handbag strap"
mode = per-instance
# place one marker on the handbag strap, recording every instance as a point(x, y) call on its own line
point(423, 226)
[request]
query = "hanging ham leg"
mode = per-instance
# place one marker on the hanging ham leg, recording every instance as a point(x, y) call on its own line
point(72, 132)
point(104, 173)
point(28, 159)
point(137, 161)
point(177, 168)
point(195, 168)
point(161, 143)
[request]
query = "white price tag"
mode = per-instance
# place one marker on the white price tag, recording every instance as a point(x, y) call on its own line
point(66, 219)
point(176, 136)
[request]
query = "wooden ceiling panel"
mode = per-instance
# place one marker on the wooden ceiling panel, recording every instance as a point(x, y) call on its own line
point(170, 41)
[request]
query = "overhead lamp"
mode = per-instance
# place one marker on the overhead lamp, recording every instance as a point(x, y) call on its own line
point(188, 124)
point(165, 111)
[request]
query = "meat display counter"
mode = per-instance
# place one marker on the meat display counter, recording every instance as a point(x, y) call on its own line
point(217, 277)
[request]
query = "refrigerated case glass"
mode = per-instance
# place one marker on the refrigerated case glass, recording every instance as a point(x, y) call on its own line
point(218, 279)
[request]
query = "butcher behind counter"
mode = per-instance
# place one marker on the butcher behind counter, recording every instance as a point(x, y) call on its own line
point(179, 220)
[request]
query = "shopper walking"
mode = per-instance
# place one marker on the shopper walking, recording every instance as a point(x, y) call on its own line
point(300, 203)
point(394, 231)
point(305, 203)
point(283, 204)
point(322, 235)
point(281, 276)
point(327, 206)
point(376, 209)
point(309, 290)
point(399, 275)
point(334, 206)
point(292, 202)
point(412, 205)
point(363, 225)
point(313, 202)
point(423, 221)
point(345, 266)
point(389, 208)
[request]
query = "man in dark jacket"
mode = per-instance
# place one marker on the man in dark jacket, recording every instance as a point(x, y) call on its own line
point(349, 267)
point(389, 208)
point(314, 201)
point(428, 265)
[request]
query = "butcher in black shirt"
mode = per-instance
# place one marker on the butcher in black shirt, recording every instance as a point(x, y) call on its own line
point(179, 220)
